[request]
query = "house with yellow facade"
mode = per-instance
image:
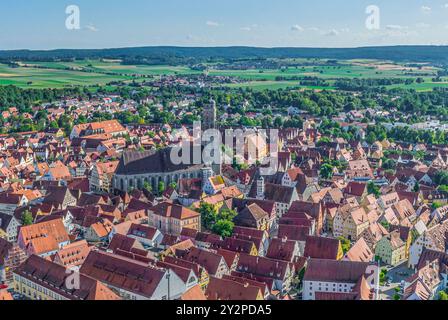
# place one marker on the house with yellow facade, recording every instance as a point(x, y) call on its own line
point(350, 222)
point(391, 250)
point(406, 236)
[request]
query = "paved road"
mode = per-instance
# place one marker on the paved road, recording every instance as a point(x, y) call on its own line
point(397, 275)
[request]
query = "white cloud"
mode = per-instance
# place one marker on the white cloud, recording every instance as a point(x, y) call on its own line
point(393, 30)
point(296, 27)
point(92, 28)
point(395, 27)
point(212, 23)
point(332, 33)
point(426, 9)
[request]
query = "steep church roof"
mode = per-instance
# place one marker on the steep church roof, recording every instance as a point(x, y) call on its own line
point(147, 162)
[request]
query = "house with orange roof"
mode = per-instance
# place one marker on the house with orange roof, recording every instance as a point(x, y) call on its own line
point(213, 185)
point(57, 171)
point(182, 246)
point(360, 251)
point(44, 238)
point(172, 218)
point(99, 231)
point(212, 262)
point(232, 192)
point(350, 222)
point(227, 289)
point(101, 176)
point(112, 127)
point(31, 196)
point(72, 255)
point(194, 294)
point(5, 295)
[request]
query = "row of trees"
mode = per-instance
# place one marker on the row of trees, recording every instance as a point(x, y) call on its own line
point(406, 134)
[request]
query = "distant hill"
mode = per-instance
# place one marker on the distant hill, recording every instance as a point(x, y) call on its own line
point(156, 55)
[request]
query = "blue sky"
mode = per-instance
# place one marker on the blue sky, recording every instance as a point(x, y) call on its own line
point(40, 24)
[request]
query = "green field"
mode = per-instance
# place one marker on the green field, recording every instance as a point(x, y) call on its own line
point(101, 72)
point(274, 85)
point(116, 67)
point(52, 78)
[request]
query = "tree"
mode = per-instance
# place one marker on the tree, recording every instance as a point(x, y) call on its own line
point(278, 122)
point(389, 164)
point(443, 296)
point(173, 185)
point(208, 215)
point(436, 205)
point(227, 214)
point(147, 186)
point(385, 224)
point(323, 140)
point(345, 243)
point(371, 138)
point(383, 276)
point(54, 125)
point(161, 187)
point(326, 171)
point(372, 188)
point(441, 178)
point(223, 227)
point(416, 187)
point(27, 218)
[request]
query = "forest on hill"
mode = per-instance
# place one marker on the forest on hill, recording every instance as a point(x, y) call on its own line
point(189, 55)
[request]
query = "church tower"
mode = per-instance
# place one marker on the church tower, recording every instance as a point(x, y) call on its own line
point(209, 117)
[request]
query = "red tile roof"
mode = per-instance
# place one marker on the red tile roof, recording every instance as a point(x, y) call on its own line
point(225, 289)
point(53, 276)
